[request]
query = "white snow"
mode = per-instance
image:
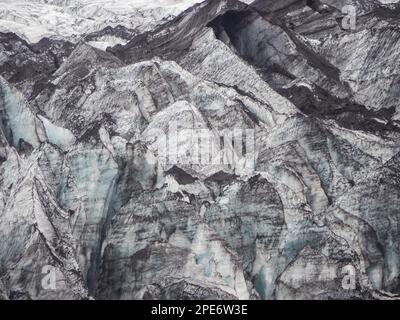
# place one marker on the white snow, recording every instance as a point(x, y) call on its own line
point(70, 19)
point(21, 119)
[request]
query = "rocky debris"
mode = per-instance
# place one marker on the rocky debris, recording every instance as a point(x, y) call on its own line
point(328, 49)
point(29, 66)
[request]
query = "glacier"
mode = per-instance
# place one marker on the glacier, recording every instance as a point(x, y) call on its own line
point(93, 194)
